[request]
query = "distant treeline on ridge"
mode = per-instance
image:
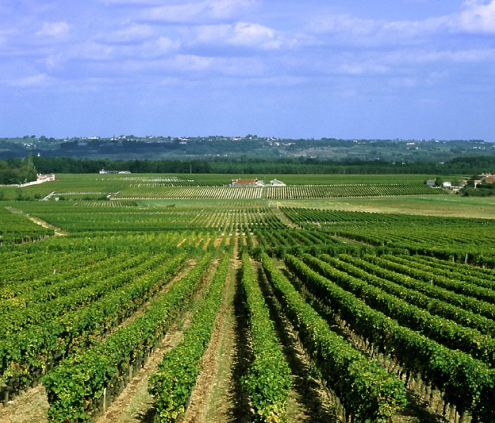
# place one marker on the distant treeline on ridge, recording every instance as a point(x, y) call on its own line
point(459, 165)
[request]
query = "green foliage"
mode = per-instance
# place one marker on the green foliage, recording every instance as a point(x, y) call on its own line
point(365, 388)
point(172, 385)
point(76, 385)
point(32, 346)
point(17, 228)
point(269, 377)
point(443, 331)
point(17, 171)
point(464, 380)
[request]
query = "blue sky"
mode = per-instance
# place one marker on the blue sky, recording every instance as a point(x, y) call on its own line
point(313, 68)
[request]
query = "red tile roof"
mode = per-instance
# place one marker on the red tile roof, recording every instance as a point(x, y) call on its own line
point(245, 181)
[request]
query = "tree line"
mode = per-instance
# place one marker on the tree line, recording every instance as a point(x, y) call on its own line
point(17, 171)
point(244, 165)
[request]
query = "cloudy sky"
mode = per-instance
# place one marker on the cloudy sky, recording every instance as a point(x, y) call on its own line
point(291, 68)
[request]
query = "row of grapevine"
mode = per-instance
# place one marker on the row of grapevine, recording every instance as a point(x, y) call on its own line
point(273, 193)
point(76, 387)
point(17, 228)
point(106, 204)
point(442, 330)
point(484, 280)
point(467, 383)
point(18, 274)
point(172, 384)
point(460, 239)
point(366, 389)
point(480, 308)
point(269, 377)
point(26, 355)
point(44, 302)
point(452, 266)
point(412, 292)
point(460, 287)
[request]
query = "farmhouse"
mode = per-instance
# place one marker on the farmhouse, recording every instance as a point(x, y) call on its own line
point(277, 183)
point(46, 178)
point(246, 183)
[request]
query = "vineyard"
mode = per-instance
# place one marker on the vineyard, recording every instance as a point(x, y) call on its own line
point(298, 192)
point(238, 308)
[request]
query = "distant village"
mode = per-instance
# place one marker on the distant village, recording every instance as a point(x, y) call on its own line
point(484, 178)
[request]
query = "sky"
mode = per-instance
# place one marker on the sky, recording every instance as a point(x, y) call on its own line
point(382, 69)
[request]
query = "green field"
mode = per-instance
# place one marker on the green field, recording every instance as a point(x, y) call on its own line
point(212, 308)
point(444, 205)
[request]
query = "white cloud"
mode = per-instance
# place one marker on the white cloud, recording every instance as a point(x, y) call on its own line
point(343, 24)
point(251, 34)
point(129, 34)
point(189, 66)
point(159, 47)
point(478, 16)
point(198, 12)
point(53, 29)
point(175, 13)
point(32, 81)
point(221, 9)
point(190, 62)
point(132, 2)
point(244, 34)
point(359, 67)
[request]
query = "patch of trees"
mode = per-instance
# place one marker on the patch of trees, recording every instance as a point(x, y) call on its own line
point(17, 171)
point(473, 189)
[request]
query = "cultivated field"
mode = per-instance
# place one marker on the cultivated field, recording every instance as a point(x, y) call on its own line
point(376, 307)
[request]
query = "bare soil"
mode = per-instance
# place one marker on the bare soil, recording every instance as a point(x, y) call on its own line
point(31, 406)
point(224, 400)
point(207, 380)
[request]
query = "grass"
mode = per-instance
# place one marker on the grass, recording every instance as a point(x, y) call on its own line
point(430, 205)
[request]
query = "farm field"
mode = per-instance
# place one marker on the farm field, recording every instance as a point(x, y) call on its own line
point(437, 205)
point(375, 309)
point(98, 186)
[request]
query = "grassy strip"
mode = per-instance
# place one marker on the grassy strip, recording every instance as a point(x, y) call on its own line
point(365, 388)
point(269, 377)
point(76, 386)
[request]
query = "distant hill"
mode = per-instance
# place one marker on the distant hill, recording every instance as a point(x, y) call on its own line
point(215, 148)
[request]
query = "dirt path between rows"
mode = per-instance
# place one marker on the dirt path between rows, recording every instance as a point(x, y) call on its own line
point(56, 230)
point(217, 396)
point(215, 354)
